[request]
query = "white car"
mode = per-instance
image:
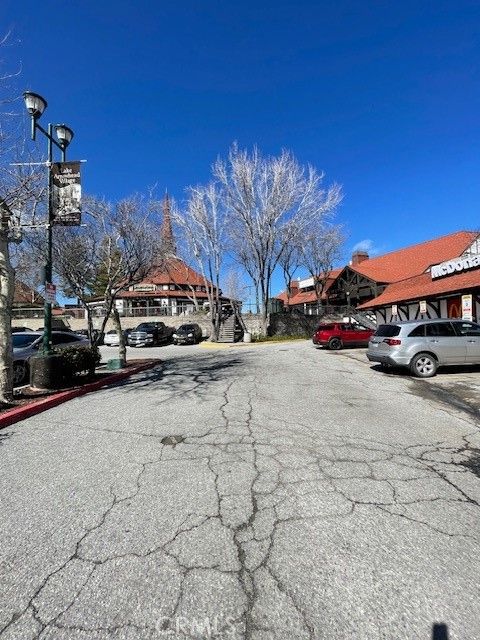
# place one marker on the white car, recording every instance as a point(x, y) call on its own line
point(110, 339)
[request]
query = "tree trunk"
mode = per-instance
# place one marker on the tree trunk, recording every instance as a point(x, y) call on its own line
point(122, 349)
point(264, 309)
point(7, 286)
point(257, 299)
point(91, 337)
point(216, 319)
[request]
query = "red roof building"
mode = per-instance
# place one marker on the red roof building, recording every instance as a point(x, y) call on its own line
point(173, 288)
point(25, 296)
point(437, 278)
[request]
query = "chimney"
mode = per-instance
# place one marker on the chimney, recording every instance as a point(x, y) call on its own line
point(293, 287)
point(358, 257)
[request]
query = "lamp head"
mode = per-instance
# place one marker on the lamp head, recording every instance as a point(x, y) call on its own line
point(35, 104)
point(64, 134)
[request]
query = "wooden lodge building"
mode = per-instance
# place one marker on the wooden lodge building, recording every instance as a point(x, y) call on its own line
point(171, 289)
point(438, 278)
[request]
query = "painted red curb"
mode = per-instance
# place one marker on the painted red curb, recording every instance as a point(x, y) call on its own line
point(11, 416)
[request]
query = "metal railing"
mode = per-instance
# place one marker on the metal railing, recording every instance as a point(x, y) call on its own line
point(37, 312)
point(147, 312)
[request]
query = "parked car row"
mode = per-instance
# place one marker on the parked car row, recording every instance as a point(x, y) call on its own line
point(27, 343)
point(152, 334)
point(421, 346)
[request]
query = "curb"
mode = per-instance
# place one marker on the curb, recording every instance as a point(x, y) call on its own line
point(232, 345)
point(11, 416)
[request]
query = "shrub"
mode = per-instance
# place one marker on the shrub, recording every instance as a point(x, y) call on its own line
point(277, 338)
point(78, 360)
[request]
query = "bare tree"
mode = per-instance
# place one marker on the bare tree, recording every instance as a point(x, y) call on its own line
point(203, 224)
point(263, 196)
point(241, 250)
point(75, 258)
point(20, 194)
point(234, 285)
point(321, 248)
point(291, 258)
point(115, 248)
point(127, 249)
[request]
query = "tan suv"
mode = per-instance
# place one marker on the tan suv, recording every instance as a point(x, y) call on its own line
point(425, 345)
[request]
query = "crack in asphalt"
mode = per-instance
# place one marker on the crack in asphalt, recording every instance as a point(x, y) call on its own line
point(271, 498)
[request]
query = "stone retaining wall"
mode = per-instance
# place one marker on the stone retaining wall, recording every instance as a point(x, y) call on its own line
point(293, 324)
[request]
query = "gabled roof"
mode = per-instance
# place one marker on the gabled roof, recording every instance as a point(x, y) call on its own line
point(309, 296)
point(413, 260)
point(174, 271)
point(422, 286)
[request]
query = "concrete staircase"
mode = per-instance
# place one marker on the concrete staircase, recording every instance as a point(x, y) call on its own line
point(230, 330)
point(366, 319)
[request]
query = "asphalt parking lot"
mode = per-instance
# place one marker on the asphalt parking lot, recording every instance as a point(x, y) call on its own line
point(457, 386)
point(262, 492)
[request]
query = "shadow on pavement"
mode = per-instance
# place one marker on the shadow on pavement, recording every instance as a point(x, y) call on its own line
point(192, 374)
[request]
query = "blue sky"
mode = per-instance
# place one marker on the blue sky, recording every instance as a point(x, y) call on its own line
point(383, 96)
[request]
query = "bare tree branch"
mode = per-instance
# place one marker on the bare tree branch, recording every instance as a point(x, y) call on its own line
point(265, 198)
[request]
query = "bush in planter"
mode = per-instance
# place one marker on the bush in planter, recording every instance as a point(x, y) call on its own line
point(78, 360)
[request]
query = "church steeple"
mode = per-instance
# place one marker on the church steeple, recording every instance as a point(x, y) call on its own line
point(168, 241)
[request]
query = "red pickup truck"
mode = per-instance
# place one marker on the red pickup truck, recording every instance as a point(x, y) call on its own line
point(336, 335)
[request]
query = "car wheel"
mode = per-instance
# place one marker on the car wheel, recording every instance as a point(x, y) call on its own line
point(423, 365)
point(20, 373)
point(335, 344)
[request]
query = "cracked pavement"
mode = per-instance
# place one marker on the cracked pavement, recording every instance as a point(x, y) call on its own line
point(312, 497)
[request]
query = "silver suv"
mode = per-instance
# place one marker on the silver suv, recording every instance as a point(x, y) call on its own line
point(425, 345)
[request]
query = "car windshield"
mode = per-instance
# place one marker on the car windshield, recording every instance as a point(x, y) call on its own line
point(20, 341)
point(387, 330)
point(145, 326)
point(187, 327)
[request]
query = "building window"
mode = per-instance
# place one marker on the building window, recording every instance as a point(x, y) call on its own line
point(165, 287)
point(172, 287)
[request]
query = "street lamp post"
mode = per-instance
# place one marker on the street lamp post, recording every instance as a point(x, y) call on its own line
point(36, 105)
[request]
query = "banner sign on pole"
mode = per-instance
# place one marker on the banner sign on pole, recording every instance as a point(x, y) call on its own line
point(467, 308)
point(66, 193)
point(50, 293)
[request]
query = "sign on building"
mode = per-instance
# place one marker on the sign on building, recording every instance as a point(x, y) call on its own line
point(66, 193)
point(467, 308)
point(144, 287)
point(423, 306)
point(50, 293)
point(394, 310)
point(454, 266)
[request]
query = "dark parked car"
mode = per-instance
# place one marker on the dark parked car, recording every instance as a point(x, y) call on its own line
point(425, 345)
point(150, 334)
point(336, 335)
point(187, 334)
point(26, 345)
